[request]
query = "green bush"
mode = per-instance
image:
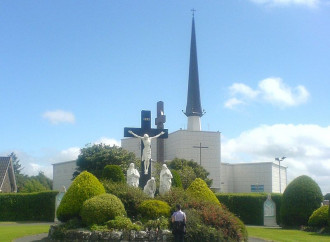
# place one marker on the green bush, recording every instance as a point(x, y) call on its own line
point(176, 181)
point(113, 173)
point(329, 215)
point(130, 196)
point(122, 223)
point(301, 197)
point(199, 190)
point(249, 207)
point(85, 186)
point(319, 217)
point(231, 227)
point(157, 224)
point(38, 206)
point(175, 196)
point(101, 208)
point(153, 209)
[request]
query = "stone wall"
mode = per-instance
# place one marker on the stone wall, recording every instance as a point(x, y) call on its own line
point(86, 235)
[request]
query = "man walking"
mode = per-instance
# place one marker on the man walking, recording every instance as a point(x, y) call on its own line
point(179, 224)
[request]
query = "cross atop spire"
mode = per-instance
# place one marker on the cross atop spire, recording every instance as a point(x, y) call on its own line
point(193, 12)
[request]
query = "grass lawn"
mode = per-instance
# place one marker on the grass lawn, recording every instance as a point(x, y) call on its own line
point(287, 235)
point(12, 230)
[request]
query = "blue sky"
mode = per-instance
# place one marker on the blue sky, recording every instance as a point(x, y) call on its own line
point(73, 73)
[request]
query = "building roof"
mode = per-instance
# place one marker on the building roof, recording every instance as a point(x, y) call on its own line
point(194, 107)
point(5, 163)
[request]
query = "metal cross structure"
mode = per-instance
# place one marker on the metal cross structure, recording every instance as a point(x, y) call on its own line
point(279, 170)
point(145, 129)
point(159, 121)
point(200, 151)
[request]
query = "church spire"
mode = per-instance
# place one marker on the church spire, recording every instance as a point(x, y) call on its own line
point(194, 107)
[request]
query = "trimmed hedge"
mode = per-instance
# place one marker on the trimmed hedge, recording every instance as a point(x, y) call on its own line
point(38, 206)
point(84, 187)
point(319, 217)
point(113, 173)
point(301, 197)
point(199, 190)
point(154, 209)
point(249, 207)
point(101, 208)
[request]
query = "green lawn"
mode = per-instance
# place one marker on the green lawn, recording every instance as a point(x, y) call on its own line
point(286, 235)
point(12, 230)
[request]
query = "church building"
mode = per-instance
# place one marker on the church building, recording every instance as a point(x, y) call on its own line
point(7, 175)
point(203, 147)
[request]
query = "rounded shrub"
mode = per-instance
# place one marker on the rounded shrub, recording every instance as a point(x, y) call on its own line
point(84, 187)
point(122, 223)
point(176, 181)
point(319, 217)
point(101, 208)
point(153, 209)
point(113, 173)
point(130, 196)
point(301, 197)
point(199, 190)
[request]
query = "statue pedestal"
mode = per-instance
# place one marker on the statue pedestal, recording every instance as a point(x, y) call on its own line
point(144, 177)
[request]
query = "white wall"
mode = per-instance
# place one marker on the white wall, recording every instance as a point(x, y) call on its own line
point(62, 174)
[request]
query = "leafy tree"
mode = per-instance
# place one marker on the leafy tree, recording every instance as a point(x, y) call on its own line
point(327, 196)
point(44, 180)
point(189, 170)
point(32, 185)
point(94, 158)
point(16, 163)
point(113, 173)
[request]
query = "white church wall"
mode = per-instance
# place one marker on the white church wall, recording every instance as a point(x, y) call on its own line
point(227, 178)
point(180, 145)
point(252, 177)
point(62, 174)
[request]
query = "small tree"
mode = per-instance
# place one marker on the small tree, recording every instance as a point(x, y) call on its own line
point(327, 196)
point(16, 163)
point(113, 173)
point(94, 158)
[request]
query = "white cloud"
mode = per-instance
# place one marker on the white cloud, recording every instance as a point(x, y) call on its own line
point(232, 102)
point(240, 88)
point(107, 141)
point(308, 3)
point(275, 91)
point(271, 90)
point(59, 116)
point(306, 147)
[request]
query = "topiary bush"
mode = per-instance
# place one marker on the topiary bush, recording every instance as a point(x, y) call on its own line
point(199, 190)
point(85, 186)
point(175, 196)
point(176, 181)
point(301, 197)
point(113, 173)
point(153, 209)
point(319, 217)
point(131, 197)
point(101, 208)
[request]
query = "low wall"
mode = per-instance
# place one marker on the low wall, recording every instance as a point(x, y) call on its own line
point(86, 235)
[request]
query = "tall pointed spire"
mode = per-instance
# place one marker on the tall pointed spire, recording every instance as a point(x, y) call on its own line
point(194, 107)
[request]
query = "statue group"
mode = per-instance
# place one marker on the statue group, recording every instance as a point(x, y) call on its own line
point(150, 188)
point(133, 176)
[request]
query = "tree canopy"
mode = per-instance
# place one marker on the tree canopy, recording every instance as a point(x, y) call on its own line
point(189, 171)
point(16, 163)
point(94, 158)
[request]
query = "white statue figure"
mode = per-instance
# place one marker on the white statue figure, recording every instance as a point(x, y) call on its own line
point(165, 180)
point(150, 187)
point(269, 207)
point(133, 176)
point(146, 153)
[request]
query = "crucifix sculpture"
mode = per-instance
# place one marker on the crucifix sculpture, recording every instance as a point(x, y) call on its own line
point(145, 134)
point(200, 147)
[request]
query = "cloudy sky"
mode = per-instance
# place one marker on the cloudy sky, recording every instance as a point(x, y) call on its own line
point(73, 74)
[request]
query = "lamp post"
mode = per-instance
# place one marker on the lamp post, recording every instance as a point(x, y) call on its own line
point(279, 169)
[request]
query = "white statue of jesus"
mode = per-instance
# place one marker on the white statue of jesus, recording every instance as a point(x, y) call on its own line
point(146, 153)
point(165, 180)
point(133, 176)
